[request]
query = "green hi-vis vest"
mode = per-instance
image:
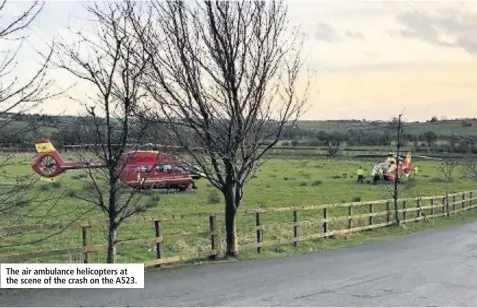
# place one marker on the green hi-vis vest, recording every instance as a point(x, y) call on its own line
point(360, 172)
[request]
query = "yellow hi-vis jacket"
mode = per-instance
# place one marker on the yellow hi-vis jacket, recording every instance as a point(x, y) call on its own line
point(360, 172)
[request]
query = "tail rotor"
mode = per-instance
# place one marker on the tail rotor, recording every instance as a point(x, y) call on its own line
point(48, 166)
point(48, 162)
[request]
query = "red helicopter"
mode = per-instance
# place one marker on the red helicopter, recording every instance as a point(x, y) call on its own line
point(137, 169)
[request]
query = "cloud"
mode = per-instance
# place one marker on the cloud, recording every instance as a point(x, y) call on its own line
point(450, 28)
point(326, 33)
point(356, 35)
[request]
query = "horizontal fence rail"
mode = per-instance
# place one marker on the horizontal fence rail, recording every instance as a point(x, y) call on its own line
point(291, 226)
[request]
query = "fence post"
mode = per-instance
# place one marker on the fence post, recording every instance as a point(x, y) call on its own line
point(463, 200)
point(453, 204)
point(388, 215)
point(470, 199)
point(418, 211)
point(443, 206)
point(371, 218)
point(87, 241)
point(350, 217)
point(258, 223)
point(432, 208)
point(157, 229)
point(213, 236)
point(404, 211)
point(295, 228)
point(325, 223)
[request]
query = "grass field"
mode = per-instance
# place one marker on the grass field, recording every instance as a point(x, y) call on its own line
point(279, 183)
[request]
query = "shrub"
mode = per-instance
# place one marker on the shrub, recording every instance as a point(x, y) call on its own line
point(213, 197)
point(356, 199)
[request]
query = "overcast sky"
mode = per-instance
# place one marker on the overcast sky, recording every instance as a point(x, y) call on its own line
point(372, 59)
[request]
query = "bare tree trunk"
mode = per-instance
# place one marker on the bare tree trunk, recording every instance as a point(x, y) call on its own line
point(396, 176)
point(112, 235)
point(230, 228)
point(231, 232)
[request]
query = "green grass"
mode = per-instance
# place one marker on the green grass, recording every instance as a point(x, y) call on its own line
point(279, 183)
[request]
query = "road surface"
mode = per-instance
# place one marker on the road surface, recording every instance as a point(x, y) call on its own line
point(435, 268)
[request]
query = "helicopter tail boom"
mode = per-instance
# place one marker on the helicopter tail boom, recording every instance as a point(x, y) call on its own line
point(48, 162)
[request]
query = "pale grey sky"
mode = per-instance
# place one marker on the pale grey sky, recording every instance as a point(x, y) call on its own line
point(371, 57)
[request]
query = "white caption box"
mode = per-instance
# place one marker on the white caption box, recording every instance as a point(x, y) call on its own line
point(71, 276)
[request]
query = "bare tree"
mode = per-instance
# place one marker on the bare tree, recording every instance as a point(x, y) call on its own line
point(109, 63)
point(18, 96)
point(225, 76)
point(446, 168)
point(396, 125)
point(399, 133)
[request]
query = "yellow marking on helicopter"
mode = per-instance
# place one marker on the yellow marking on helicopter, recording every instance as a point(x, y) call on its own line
point(45, 147)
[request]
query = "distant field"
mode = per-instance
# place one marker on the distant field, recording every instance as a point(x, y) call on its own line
point(280, 182)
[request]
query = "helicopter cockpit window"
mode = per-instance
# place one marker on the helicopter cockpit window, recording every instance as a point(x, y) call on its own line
point(163, 168)
point(145, 168)
point(177, 169)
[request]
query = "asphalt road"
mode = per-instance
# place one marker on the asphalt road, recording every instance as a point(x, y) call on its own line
point(435, 268)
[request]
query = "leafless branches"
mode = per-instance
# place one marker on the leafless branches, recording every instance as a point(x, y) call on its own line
point(226, 77)
point(111, 63)
point(18, 94)
point(447, 168)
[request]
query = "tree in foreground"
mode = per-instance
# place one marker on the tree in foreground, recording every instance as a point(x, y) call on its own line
point(18, 95)
point(106, 61)
point(397, 125)
point(399, 134)
point(226, 78)
point(447, 168)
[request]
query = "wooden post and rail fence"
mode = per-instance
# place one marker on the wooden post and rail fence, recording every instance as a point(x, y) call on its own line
point(322, 222)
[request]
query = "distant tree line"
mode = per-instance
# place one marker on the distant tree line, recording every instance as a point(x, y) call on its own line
point(427, 141)
point(67, 130)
